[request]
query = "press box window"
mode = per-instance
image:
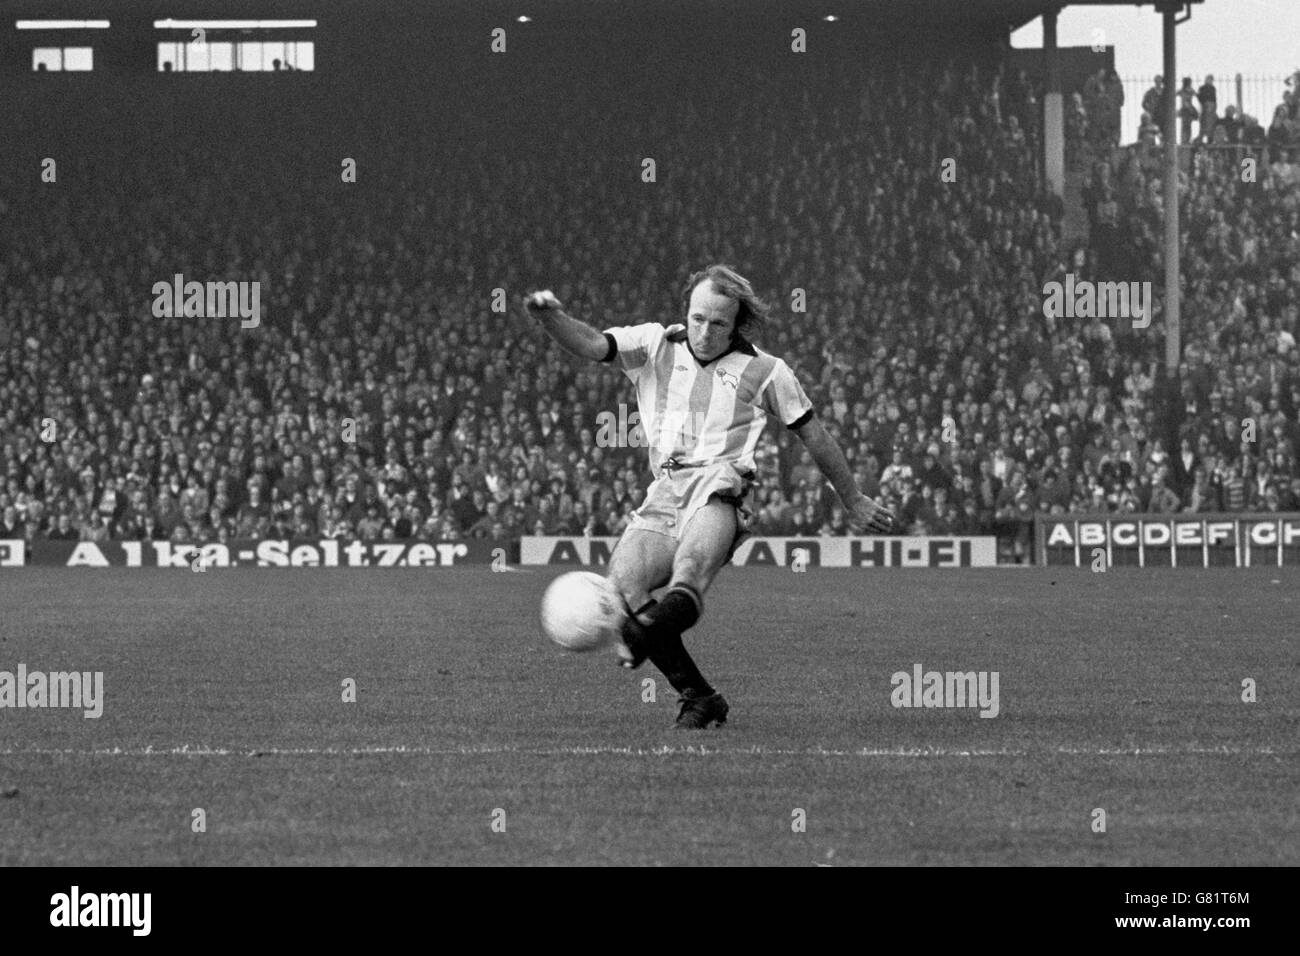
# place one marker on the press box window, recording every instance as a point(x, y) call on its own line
point(247, 56)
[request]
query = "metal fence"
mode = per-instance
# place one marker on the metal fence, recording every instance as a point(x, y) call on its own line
point(1258, 96)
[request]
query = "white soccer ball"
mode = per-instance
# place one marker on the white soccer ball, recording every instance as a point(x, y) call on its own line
point(581, 611)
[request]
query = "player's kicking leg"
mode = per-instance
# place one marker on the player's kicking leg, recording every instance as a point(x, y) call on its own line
point(656, 631)
point(642, 562)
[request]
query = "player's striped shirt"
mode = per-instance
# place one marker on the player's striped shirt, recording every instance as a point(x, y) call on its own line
point(702, 413)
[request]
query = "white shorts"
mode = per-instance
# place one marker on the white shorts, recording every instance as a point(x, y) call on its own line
point(675, 496)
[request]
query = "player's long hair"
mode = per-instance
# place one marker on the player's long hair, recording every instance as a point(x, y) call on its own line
point(753, 310)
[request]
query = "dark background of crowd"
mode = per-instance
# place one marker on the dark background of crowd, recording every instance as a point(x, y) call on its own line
point(924, 344)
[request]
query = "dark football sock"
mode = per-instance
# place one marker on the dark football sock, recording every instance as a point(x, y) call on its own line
point(677, 610)
point(670, 656)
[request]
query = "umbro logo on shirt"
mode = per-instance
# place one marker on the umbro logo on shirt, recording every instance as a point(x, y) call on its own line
point(681, 368)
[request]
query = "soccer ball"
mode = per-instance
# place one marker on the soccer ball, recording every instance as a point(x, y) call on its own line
point(581, 611)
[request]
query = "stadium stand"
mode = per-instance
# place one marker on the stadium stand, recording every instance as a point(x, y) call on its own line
point(924, 345)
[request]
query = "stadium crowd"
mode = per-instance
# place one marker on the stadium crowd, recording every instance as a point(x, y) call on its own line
point(1093, 115)
point(384, 397)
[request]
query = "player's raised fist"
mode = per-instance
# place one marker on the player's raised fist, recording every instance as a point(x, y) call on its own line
point(541, 301)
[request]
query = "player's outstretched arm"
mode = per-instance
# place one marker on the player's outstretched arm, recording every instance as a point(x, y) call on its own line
point(863, 513)
point(573, 336)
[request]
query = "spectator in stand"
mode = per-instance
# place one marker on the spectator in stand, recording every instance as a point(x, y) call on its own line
point(252, 511)
point(1285, 130)
point(927, 511)
point(1148, 131)
point(1101, 199)
point(1208, 97)
point(64, 530)
point(1231, 125)
point(581, 522)
point(10, 526)
point(1252, 134)
point(807, 522)
point(897, 469)
point(1094, 92)
point(1112, 109)
point(1077, 126)
point(370, 526)
point(1055, 490)
point(1289, 497)
point(404, 521)
point(1163, 499)
point(1187, 112)
point(1203, 497)
point(482, 528)
point(1153, 101)
point(1184, 466)
point(1232, 487)
point(988, 486)
point(1261, 481)
point(938, 470)
point(468, 507)
point(97, 529)
point(805, 471)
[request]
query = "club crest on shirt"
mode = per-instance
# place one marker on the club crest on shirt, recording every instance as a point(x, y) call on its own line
point(728, 378)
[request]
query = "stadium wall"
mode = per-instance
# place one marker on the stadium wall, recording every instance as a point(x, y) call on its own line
point(798, 554)
point(1099, 541)
point(263, 553)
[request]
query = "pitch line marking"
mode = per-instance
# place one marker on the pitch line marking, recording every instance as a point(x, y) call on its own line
point(188, 750)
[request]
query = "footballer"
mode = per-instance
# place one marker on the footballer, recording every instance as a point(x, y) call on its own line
point(705, 393)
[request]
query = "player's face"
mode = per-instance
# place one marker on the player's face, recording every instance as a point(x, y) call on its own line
point(710, 321)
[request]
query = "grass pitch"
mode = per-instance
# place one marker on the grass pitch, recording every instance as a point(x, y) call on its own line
point(223, 692)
